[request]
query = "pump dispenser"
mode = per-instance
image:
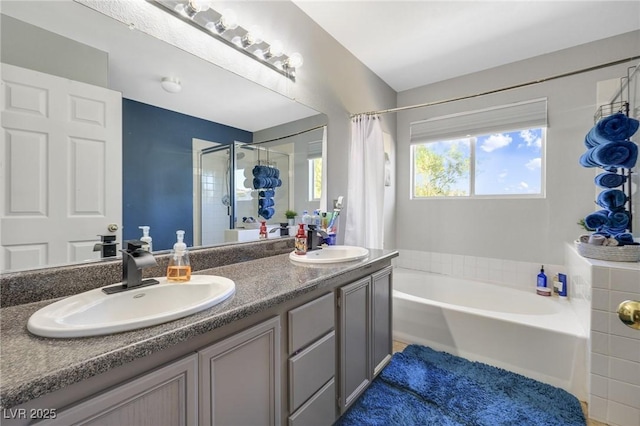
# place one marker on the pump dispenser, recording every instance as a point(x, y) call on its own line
point(179, 269)
point(146, 239)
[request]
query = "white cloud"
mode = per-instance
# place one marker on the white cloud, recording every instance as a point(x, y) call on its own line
point(494, 142)
point(534, 163)
point(524, 185)
point(503, 174)
point(530, 138)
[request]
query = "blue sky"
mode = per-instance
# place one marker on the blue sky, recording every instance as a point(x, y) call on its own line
point(509, 163)
point(506, 163)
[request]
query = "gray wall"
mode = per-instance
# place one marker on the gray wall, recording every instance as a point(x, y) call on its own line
point(28, 46)
point(531, 230)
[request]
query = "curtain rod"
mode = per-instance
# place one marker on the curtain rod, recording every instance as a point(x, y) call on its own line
point(504, 89)
point(285, 137)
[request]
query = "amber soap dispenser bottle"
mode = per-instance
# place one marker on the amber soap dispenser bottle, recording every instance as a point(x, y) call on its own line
point(179, 269)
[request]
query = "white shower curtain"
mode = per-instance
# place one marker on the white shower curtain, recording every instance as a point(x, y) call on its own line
point(365, 192)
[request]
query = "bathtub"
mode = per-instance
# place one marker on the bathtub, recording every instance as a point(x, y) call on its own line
point(538, 337)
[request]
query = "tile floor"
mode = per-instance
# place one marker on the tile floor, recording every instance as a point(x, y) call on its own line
point(399, 347)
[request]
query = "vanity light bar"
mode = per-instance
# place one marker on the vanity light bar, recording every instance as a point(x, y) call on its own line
point(223, 26)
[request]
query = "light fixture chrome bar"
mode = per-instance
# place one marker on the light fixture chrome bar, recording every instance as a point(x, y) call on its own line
point(211, 22)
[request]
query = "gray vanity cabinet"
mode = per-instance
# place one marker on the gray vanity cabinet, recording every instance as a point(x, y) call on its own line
point(311, 366)
point(365, 333)
point(240, 378)
point(166, 396)
point(381, 332)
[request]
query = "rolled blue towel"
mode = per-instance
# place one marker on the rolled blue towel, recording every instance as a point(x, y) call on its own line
point(267, 213)
point(618, 219)
point(615, 127)
point(624, 238)
point(597, 219)
point(261, 171)
point(278, 183)
point(616, 154)
point(586, 159)
point(265, 202)
point(260, 183)
point(276, 173)
point(267, 193)
point(611, 199)
point(609, 180)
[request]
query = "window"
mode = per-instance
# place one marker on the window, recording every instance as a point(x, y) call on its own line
point(315, 179)
point(472, 155)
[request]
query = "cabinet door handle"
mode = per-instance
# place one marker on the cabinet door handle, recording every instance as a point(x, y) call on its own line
point(629, 313)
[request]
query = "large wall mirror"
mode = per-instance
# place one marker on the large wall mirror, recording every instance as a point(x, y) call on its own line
point(73, 80)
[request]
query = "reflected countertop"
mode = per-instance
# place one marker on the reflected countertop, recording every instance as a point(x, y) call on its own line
point(31, 366)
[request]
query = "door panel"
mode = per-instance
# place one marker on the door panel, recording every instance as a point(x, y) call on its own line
point(60, 168)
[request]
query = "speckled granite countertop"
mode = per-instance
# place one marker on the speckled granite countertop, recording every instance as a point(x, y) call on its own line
point(32, 366)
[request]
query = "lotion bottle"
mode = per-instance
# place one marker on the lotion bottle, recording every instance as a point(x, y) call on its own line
point(263, 230)
point(146, 239)
point(301, 240)
point(542, 284)
point(179, 269)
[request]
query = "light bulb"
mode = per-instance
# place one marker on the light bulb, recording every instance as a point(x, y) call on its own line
point(295, 60)
point(253, 36)
point(275, 49)
point(199, 5)
point(228, 21)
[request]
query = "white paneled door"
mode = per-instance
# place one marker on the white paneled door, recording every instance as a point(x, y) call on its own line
point(60, 168)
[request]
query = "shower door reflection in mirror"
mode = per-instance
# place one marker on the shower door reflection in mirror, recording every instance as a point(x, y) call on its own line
point(225, 194)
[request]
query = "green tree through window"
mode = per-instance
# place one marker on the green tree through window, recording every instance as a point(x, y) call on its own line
point(442, 169)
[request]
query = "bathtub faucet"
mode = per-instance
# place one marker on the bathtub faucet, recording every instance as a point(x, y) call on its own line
point(315, 238)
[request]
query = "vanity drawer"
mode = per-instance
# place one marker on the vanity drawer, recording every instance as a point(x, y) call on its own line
point(320, 410)
point(310, 321)
point(310, 369)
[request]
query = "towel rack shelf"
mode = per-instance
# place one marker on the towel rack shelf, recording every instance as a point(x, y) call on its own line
point(615, 107)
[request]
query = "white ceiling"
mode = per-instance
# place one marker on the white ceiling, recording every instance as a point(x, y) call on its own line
point(414, 43)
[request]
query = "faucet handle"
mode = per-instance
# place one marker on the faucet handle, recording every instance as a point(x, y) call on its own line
point(133, 245)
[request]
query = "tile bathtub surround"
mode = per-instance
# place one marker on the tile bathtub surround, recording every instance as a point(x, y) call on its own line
point(615, 348)
point(498, 271)
point(30, 286)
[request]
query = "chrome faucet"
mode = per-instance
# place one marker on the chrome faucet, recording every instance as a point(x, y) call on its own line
point(134, 260)
point(315, 237)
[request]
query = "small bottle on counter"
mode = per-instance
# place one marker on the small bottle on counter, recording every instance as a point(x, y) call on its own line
point(263, 230)
point(301, 240)
point(179, 269)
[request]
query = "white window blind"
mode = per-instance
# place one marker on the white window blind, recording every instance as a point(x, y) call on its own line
point(315, 149)
point(521, 115)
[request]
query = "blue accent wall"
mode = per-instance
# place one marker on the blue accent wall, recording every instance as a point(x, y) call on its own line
point(158, 171)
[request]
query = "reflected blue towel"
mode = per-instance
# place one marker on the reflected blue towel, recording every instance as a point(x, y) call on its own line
point(615, 127)
point(611, 199)
point(265, 202)
point(267, 193)
point(609, 180)
point(597, 219)
point(616, 154)
point(260, 182)
point(267, 213)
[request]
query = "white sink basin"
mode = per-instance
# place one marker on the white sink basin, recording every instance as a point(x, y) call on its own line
point(331, 254)
point(95, 313)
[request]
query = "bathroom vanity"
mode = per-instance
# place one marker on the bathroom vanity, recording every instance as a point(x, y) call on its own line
point(295, 345)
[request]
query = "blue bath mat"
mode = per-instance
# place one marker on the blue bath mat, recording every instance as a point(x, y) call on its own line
point(421, 386)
